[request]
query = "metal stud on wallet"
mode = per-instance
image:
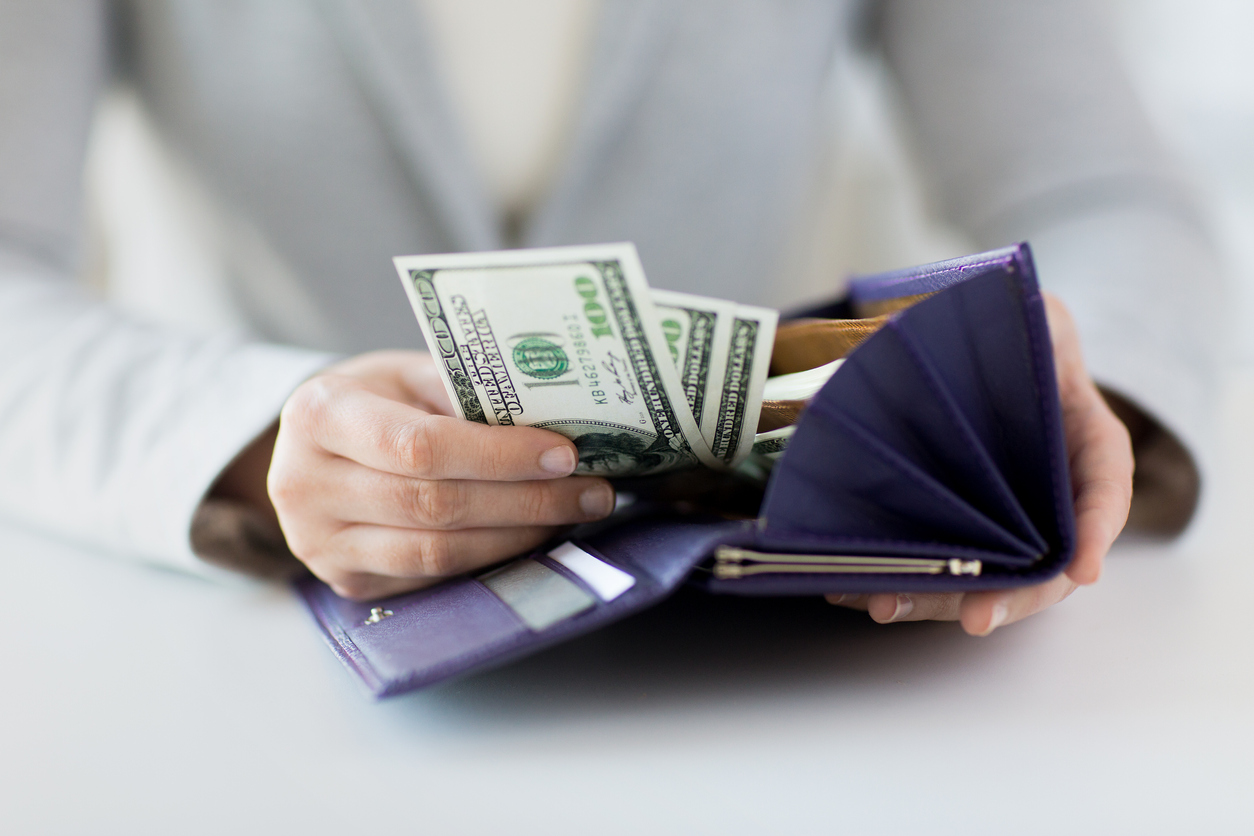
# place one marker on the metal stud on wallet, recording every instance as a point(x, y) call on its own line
point(932, 459)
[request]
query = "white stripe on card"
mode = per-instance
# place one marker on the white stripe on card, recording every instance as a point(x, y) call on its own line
point(606, 581)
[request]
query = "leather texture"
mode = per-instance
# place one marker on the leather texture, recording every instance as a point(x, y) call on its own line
point(806, 343)
point(940, 438)
point(777, 414)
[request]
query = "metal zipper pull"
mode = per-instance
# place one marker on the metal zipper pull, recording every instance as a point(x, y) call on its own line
point(732, 563)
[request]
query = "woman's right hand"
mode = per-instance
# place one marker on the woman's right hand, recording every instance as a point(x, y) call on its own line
point(381, 489)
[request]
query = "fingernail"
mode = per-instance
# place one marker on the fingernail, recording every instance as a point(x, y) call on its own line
point(560, 460)
point(597, 501)
point(904, 606)
point(1000, 611)
point(841, 598)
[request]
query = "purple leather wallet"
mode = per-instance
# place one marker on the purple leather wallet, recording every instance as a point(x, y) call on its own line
point(934, 459)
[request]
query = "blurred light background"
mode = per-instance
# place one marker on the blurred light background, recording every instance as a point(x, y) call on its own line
point(1190, 59)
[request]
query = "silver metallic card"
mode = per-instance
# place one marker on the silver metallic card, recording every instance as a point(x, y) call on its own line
point(540, 596)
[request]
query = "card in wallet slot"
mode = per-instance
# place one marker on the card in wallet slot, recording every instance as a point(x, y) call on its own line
point(933, 459)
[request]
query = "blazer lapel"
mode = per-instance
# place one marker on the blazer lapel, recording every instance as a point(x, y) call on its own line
point(387, 48)
point(630, 36)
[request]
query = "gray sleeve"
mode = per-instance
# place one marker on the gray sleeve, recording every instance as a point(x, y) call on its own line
point(52, 65)
point(1027, 128)
point(111, 430)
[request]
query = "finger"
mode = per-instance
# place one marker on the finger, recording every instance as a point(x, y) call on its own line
point(426, 387)
point(407, 376)
point(850, 600)
point(984, 612)
point(361, 495)
point(352, 560)
point(1098, 448)
point(344, 418)
point(366, 586)
point(886, 608)
point(1069, 365)
point(1101, 472)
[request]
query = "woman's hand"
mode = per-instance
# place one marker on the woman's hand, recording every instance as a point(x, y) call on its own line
point(379, 489)
point(1101, 474)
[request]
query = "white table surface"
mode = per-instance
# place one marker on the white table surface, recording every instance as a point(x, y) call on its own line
point(139, 701)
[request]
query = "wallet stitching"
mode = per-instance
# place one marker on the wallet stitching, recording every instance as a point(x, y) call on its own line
point(919, 275)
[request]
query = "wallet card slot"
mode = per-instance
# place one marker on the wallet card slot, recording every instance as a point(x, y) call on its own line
point(550, 563)
point(603, 578)
point(538, 594)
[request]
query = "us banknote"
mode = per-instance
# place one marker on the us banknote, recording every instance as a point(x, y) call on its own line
point(566, 339)
point(695, 329)
point(729, 431)
point(723, 352)
point(800, 385)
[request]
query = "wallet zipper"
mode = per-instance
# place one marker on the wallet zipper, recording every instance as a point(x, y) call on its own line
point(732, 563)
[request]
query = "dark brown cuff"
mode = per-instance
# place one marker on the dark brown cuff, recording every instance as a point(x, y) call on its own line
point(233, 535)
point(1166, 483)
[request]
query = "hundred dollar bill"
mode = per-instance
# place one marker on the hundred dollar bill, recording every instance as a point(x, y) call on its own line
point(729, 430)
point(696, 330)
point(767, 448)
point(723, 352)
point(566, 339)
point(800, 386)
point(771, 445)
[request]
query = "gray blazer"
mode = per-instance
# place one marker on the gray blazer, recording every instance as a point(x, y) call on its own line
point(325, 126)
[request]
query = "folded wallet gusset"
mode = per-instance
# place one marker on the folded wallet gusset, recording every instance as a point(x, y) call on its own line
point(937, 444)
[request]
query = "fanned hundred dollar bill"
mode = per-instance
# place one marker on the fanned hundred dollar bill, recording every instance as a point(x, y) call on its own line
point(565, 338)
point(696, 330)
point(729, 431)
point(723, 352)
